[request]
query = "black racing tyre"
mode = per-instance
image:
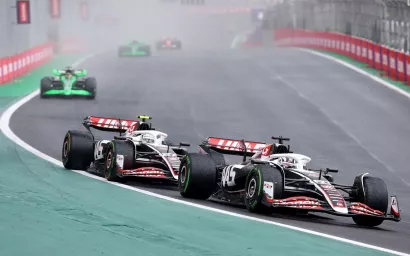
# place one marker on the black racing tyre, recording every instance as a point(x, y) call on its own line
point(78, 150)
point(123, 49)
point(374, 194)
point(197, 176)
point(118, 151)
point(45, 85)
point(148, 51)
point(91, 86)
point(256, 197)
point(218, 158)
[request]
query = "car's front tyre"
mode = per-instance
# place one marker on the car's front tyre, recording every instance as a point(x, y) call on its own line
point(91, 86)
point(373, 193)
point(120, 156)
point(45, 85)
point(263, 181)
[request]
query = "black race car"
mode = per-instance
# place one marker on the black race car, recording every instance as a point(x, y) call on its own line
point(277, 179)
point(169, 43)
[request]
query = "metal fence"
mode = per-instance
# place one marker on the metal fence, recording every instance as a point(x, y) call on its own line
point(383, 21)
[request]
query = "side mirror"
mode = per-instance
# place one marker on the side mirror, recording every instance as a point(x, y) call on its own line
point(55, 72)
point(332, 170)
point(329, 178)
point(183, 144)
point(80, 72)
point(257, 161)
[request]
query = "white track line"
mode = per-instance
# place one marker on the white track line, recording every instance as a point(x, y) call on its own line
point(5, 127)
point(358, 70)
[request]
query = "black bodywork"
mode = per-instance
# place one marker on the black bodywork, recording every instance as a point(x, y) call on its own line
point(236, 194)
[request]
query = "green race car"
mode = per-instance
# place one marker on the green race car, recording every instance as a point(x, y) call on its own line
point(134, 48)
point(68, 82)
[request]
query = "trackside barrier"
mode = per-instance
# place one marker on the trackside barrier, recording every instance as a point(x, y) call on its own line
point(389, 62)
point(72, 45)
point(15, 66)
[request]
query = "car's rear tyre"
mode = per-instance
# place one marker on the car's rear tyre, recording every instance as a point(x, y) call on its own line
point(45, 85)
point(120, 155)
point(219, 159)
point(91, 86)
point(122, 50)
point(262, 180)
point(197, 176)
point(148, 52)
point(373, 193)
point(78, 150)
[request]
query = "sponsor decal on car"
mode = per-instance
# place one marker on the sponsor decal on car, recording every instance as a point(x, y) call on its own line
point(335, 197)
point(149, 172)
point(298, 202)
point(395, 206)
point(120, 161)
point(268, 189)
point(228, 175)
point(361, 208)
point(112, 123)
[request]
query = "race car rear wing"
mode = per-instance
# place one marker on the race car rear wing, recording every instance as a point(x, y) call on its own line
point(234, 146)
point(110, 124)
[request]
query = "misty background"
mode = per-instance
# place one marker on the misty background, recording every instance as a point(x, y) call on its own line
point(113, 22)
point(206, 24)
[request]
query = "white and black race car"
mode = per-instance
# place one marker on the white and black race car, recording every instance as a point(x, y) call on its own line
point(274, 178)
point(141, 151)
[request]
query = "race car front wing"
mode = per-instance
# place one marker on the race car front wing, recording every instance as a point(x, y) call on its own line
point(354, 208)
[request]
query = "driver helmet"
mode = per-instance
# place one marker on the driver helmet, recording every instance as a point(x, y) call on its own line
point(143, 127)
point(148, 138)
point(287, 162)
point(69, 71)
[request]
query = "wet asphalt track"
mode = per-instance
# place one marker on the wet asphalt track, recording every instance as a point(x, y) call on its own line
point(338, 117)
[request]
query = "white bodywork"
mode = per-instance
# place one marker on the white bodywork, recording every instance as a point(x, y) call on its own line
point(151, 138)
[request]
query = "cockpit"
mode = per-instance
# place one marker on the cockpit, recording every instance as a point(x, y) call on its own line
point(149, 137)
point(291, 161)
